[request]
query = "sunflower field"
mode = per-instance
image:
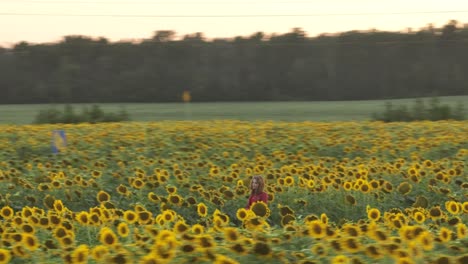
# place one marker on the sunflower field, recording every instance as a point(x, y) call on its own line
point(176, 191)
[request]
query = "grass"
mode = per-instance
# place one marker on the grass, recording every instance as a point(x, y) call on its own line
point(283, 111)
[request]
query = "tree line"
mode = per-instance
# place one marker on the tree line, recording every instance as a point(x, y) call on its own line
point(354, 65)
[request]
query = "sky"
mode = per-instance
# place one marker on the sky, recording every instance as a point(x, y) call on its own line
point(45, 21)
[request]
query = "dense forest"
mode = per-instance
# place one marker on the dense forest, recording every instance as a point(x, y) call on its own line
point(292, 66)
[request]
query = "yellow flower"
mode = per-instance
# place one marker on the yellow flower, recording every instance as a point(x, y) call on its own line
point(122, 229)
point(453, 207)
point(180, 227)
point(80, 254)
point(107, 237)
point(30, 242)
point(419, 217)
point(373, 214)
point(445, 234)
point(99, 252)
point(198, 229)
point(340, 259)
point(221, 259)
point(58, 206)
point(317, 229)
point(130, 216)
point(462, 231)
point(262, 249)
point(5, 256)
point(102, 196)
point(231, 234)
point(202, 210)
point(426, 240)
point(6, 212)
point(260, 209)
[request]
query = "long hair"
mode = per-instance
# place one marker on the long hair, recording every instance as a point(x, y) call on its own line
point(261, 184)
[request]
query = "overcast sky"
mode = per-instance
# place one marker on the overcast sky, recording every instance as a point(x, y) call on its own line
point(48, 21)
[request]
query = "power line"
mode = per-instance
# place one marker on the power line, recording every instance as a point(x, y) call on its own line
point(230, 16)
point(163, 2)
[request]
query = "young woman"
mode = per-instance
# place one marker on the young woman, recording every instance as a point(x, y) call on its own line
point(256, 185)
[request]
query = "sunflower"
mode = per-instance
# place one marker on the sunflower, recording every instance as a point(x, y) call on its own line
point(374, 184)
point(465, 207)
point(27, 228)
point(462, 230)
point(324, 218)
point(340, 259)
point(202, 210)
point(262, 249)
point(122, 229)
point(30, 242)
point(54, 219)
point(260, 209)
point(80, 254)
point(453, 207)
point(138, 183)
point(426, 240)
point(404, 260)
point(107, 237)
point(352, 230)
point(123, 190)
point(153, 197)
point(6, 212)
point(151, 258)
point(404, 188)
point(5, 256)
point(317, 229)
point(67, 241)
point(221, 259)
point(319, 250)
point(130, 216)
point(373, 214)
point(285, 210)
point(102, 196)
point(289, 181)
point(205, 241)
point(58, 206)
point(82, 218)
point(378, 235)
point(311, 217)
point(175, 199)
point(198, 229)
point(287, 219)
point(350, 244)
point(180, 227)
point(445, 234)
point(188, 248)
point(387, 187)
point(238, 248)
point(374, 252)
point(19, 251)
point(421, 201)
point(144, 217)
point(365, 187)
point(231, 234)
point(435, 212)
point(347, 185)
point(168, 215)
point(191, 200)
point(350, 199)
point(122, 257)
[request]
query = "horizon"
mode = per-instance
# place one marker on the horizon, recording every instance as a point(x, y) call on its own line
point(134, 21)
point(207, 39)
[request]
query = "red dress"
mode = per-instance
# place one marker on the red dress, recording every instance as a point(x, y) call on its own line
point(263, 196)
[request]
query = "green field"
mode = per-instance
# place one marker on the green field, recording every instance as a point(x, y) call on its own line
point(285, 111)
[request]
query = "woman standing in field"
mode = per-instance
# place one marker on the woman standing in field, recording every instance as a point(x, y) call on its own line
point(257, 195)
